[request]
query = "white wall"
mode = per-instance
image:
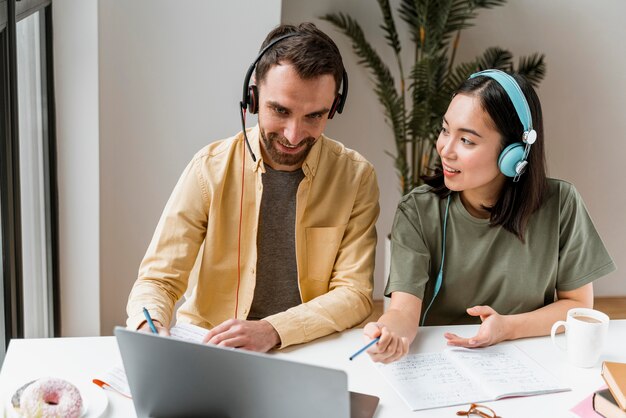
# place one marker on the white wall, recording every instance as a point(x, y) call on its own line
point(171, 76)
point(581, 97)
point(76, 83)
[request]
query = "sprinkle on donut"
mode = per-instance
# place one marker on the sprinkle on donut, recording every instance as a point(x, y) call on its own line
point(51, 397)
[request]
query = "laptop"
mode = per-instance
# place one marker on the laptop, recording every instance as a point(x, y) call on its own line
point(173, 378)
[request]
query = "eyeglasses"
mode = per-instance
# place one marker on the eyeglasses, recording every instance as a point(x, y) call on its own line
point(479, 410)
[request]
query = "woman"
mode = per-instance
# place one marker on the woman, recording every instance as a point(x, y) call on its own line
point(513, 250)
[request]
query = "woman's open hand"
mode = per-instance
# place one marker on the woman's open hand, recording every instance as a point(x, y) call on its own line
point(493, 329)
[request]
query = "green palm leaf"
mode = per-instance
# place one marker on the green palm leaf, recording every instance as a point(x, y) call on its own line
point(389, 26)
point(410, 11)
point(487, 4)
point(460, 73)
point(497, 58)
point(532, 67)
point(384, 83)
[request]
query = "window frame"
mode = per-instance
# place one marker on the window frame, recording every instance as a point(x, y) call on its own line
point(11, 12)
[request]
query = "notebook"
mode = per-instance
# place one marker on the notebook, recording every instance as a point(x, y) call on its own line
point(604, 403)
point(173, 378)
point(458, 376)
point(614, 374)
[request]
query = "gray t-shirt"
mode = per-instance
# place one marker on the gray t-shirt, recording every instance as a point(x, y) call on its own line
point(487, 265)
point(276, 288)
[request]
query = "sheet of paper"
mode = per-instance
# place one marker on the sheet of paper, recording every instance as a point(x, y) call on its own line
point(431, 380)
point(115, 378)
point(505, 370)
point(188, 332)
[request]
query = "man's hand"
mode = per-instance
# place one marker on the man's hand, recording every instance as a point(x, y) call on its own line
point(144, 327)
point(492, 331)
point(249, 335)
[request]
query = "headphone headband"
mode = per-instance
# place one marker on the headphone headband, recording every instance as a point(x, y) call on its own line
point(514, 158)
point(250, 96)
point(246, 95)
point(518, 99)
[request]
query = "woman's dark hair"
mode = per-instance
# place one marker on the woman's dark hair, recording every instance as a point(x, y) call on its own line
point(311, 52)
point(521, 199)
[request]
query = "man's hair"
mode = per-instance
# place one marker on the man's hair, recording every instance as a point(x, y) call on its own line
point(311, 52)
point(521, 199)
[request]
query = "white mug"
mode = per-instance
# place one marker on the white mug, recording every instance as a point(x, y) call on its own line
point(585, 332)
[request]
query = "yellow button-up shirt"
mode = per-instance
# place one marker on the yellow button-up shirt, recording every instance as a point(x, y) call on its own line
point(195, 244)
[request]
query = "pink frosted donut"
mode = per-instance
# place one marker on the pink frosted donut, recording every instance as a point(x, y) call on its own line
point(51, 397)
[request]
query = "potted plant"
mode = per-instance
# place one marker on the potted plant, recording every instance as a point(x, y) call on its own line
point(414, 106)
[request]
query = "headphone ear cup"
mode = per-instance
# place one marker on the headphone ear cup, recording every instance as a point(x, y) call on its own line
point(334, 106)
point(510, 157)
point(253, 99)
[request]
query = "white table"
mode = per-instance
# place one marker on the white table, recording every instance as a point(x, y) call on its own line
point(82, 359)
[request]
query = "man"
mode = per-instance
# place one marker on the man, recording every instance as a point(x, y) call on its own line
point(281, 249)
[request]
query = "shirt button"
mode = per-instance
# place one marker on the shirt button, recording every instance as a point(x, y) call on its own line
point(252, 270)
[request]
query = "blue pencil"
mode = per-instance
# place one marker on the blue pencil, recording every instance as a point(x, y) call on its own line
point(368, 345)
point(149, 319)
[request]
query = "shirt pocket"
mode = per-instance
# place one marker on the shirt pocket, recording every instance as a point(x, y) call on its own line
point(322, 245)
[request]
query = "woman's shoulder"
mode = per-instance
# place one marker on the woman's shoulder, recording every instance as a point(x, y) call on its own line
point(420, 199)
point(423, 193)
point(561, 191)
point(420, 210)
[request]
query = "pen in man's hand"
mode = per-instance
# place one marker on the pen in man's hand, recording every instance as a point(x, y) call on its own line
point(368, 345)
point(149, 319)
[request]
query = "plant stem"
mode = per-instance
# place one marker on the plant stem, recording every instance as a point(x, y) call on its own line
point(403, 131)
point(455, 46)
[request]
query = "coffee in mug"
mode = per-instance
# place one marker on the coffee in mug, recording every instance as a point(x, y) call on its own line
point(586, 318)
point(585, 333)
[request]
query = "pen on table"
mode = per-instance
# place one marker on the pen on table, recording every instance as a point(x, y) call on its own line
point(150, 323)
point(368, 345)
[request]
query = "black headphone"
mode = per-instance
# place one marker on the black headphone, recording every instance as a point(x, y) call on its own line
point(250, 99)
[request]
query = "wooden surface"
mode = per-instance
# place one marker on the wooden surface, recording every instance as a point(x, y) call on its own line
point(615, 308)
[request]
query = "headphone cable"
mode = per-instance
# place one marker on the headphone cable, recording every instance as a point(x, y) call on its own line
point(243, 174)
point(439, 279)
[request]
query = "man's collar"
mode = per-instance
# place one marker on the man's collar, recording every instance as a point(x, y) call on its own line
point(309, 166)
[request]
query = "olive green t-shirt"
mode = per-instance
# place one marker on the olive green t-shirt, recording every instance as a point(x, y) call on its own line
point(487, 265)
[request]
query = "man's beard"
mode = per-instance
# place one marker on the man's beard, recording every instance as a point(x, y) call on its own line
point(282, 158)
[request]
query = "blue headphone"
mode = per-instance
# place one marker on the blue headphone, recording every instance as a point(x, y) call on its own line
point(513, 159)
